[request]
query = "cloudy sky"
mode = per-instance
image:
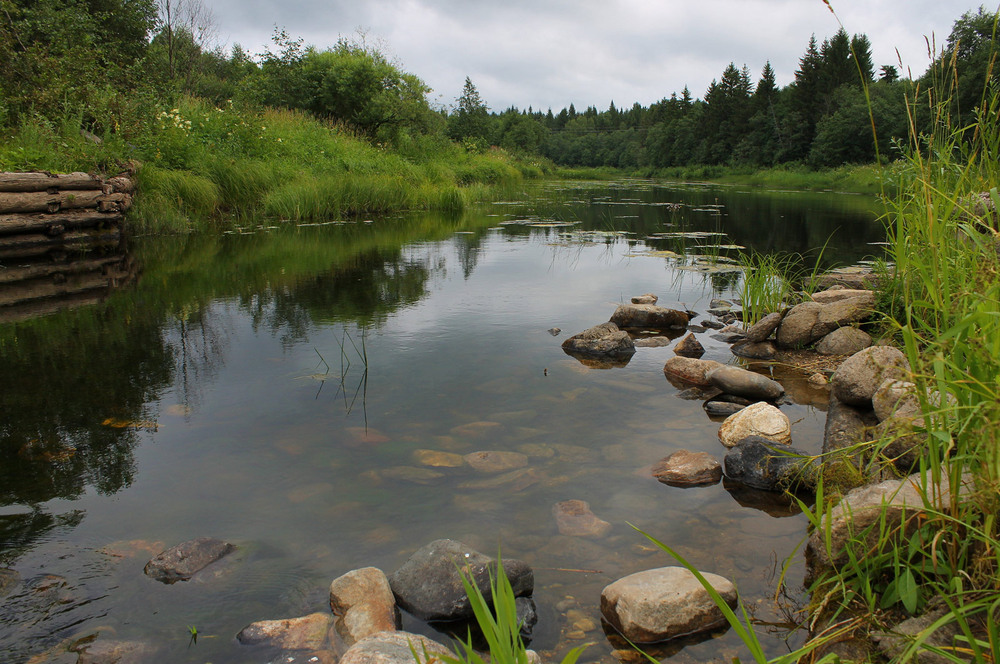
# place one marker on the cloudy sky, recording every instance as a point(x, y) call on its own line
point(550, 53)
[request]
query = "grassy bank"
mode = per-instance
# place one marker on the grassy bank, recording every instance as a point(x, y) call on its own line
point(201, 167)
point(939, 301)
point(853, 178)
point(862, 179)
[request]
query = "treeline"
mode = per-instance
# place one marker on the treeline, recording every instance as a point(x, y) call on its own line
point(113, 67)
point(823, 118)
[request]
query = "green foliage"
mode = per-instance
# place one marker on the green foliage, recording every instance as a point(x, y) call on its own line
point(497, 620)
point(767, 284)
point(941, 296)
point(67, 58)
point(471, 119)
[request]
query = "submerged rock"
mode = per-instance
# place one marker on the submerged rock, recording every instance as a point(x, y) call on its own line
point(429, 585)
point(9, 580)
point(648, 317)
point(574, 518)
point(603, 339)
point(110, 651)
point(652, 342)
point(438, 459)
point(496, 461)
point(684, 468)
point(183, 561)
point(664, 603)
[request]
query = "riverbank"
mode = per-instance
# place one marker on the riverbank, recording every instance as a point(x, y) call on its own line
point(860, 179)
point(200, 167)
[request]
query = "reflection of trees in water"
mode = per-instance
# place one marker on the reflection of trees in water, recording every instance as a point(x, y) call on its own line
point(74, 398)
point(723, 282)
point(64, 377)
point(197, 341)
point(469, 248)
point(766, 222)
point(18, 531)
point(364, 289)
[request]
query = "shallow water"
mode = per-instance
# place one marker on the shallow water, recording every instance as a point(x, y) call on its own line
point(276, 388)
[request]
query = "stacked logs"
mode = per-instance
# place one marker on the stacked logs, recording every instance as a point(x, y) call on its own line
point(60, 240)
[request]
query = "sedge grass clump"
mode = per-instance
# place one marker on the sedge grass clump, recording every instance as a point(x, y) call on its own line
point(496, 617)
point(767, 284)
point(170, 199)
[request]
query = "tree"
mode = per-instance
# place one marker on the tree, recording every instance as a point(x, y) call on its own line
point(72, 58)
point(471, 119)
point(804, 101)
point(961, 74)
point(727, 109)
point(185, 23)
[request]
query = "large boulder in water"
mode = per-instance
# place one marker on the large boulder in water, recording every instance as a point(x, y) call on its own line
point(429, 584)
point(603, 339)
point(648, 317)
point(660, 604)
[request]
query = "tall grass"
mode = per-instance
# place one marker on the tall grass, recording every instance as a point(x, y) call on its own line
point(941, 300)
point(202, 167)
point(767, 284)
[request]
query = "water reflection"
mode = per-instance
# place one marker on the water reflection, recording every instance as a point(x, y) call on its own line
point(284, 390)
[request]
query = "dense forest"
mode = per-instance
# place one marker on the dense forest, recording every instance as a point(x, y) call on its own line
point(115, 66)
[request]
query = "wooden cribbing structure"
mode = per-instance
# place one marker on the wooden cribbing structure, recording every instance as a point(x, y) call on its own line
point(60, 240)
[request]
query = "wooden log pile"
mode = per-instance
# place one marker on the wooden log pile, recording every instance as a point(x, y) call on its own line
point(60, 240)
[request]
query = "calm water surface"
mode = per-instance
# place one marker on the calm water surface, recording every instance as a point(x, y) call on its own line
point(277, 389)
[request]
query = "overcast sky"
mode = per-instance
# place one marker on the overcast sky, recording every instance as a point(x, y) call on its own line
point(550, 53)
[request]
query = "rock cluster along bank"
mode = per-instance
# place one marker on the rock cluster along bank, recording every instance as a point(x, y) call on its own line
point(871, 396)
